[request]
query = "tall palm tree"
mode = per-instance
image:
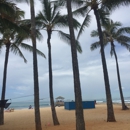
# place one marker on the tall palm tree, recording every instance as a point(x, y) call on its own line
point(112, 33)
point(80, 124)
point(107, 5)
point(49, 19)
point(9, 39)
point(35, 68)
point(7, 36)
point(101, 14)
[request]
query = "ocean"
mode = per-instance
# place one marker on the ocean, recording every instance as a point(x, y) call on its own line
point(43, 103)
point(26, 104)
point(115, 100)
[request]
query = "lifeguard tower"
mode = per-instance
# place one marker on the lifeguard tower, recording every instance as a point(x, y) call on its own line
point(59, 101)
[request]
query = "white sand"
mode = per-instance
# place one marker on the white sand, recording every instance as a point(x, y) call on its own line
point(95, 119)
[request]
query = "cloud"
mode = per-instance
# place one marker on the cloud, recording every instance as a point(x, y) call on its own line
point(20, 75)
point(21, 88)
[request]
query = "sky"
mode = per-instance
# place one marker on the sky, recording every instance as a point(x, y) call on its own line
point(20, 75)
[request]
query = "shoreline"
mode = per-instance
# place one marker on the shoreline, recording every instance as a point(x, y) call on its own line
point(98, 103)
point(95, 119)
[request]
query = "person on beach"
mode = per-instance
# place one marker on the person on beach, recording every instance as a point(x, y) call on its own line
point(30, 107)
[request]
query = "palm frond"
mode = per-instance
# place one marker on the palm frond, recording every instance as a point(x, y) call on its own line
point(47, 9)
point(39, 36)
point(123, 38)
point(30, 49)
point(56, 8)
point(123, 30)
point(7, 9)
point(126, 45)
point(59, 20)
point(5, 23)
point(84, 24)
point(66, 37)
point(78, 3)
point(62, 21)
point(17, 51)
point(25, 32)
point(81, 11)
point(74, 2)
point(114, 4)
point(94, 33)
point(123, 41)
point(104, 16)
point(22, 1)
point(40, 17)
point(95, 45)
point(59, 2)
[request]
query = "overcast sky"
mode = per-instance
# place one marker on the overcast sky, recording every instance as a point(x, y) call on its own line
point(20, 75)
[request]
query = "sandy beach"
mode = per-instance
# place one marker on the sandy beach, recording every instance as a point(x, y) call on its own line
point(95, 119)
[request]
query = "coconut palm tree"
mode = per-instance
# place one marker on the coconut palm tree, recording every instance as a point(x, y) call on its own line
point(7, 34)
point(107, 5)
point(35, 68)
point(12, 40)
point(80, 124)
point(101, 15)
point(49, 19)
point(113, 32)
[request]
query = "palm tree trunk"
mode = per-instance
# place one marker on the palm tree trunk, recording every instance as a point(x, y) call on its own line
point(35, 69)
point(124, 107)
point(110, 111)
point(54, 115)
point(80, 124)
point(4, 83)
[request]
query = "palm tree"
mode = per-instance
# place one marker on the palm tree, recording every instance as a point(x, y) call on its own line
point(49, 19)
point(35, 68)
point(112, 33)
point(12, 39)
point(107, 5)
point(101, 15)
point(8, 34)
point(80, 124)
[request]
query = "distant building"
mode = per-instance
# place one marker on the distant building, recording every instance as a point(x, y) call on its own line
point(59, 101)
